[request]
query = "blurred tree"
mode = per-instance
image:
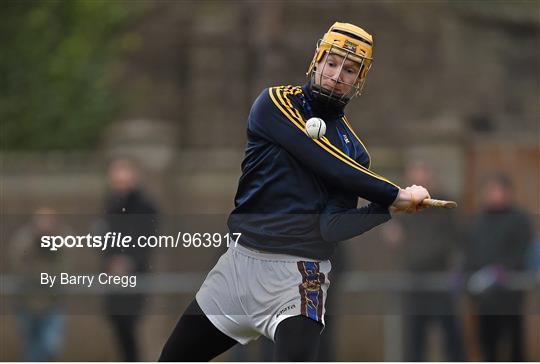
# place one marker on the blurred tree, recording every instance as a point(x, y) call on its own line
point(56, 61)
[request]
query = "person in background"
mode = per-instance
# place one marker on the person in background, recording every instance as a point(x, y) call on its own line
point(498, 241)
point(533, 256)
point(428, 244)
point(130, 211)
point(39, 313)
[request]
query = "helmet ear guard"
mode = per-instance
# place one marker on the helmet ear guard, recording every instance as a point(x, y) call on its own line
point(350, 42)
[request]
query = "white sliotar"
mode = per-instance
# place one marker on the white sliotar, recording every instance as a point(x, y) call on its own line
point(315, 128)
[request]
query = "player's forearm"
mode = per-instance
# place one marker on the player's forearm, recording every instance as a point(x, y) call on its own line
point(275, 121)
point(337, 170)
point(363, 185)
point(346, 224)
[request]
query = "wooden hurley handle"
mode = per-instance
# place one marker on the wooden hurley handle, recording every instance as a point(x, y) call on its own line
point(430, 202)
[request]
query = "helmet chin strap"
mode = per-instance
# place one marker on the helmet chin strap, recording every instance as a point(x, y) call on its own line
point(326, 97)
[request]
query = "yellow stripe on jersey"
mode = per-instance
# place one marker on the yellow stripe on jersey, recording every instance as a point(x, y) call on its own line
point(301, 124)
point(289, 111)
point(301, 128)
point(356, 136)
point(294, 112)
point(325, 140)
point(280, 107)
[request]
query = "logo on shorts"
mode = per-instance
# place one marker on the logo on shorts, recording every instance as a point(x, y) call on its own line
point(312, 285)
point(311, 291)
point(313, 279)
point(285, 309)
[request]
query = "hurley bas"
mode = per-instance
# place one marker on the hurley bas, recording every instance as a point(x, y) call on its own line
point(103, 279)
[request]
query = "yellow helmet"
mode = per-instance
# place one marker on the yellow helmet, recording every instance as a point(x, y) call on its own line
point(350, 42)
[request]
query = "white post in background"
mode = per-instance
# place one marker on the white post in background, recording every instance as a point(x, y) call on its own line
point(393, 332)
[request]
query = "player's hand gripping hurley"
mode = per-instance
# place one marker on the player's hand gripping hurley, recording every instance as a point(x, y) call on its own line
point(414, 198)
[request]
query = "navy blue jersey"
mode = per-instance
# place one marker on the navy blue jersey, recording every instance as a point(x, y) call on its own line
point(298, 195)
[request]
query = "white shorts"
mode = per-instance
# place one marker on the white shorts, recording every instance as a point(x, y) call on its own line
point(248, 293)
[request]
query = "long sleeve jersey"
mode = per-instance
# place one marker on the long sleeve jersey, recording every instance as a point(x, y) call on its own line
point(298, 195)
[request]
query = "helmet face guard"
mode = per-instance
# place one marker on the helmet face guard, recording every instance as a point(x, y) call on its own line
point(350, 43)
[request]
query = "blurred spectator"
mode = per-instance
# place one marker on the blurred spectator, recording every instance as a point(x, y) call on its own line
point(131, 212)
point(39, 313)
point(533, 256)
point(499, 238)
point(427, 244)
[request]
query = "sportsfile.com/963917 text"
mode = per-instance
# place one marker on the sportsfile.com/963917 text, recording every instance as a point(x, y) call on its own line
point(119, 240)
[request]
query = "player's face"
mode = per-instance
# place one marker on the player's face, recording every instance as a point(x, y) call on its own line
point(336, 74)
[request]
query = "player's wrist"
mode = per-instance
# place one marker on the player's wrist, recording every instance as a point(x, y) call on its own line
point(402, 200)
